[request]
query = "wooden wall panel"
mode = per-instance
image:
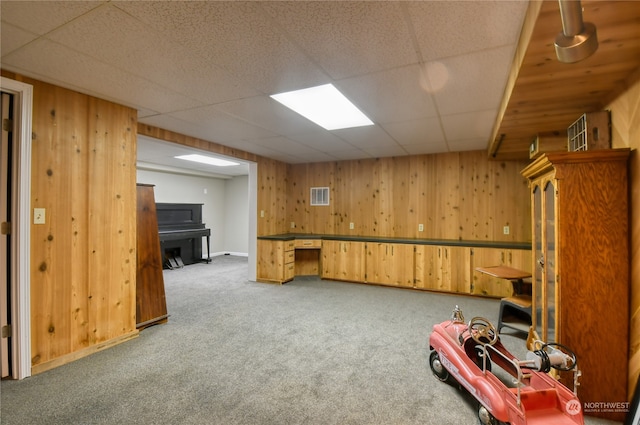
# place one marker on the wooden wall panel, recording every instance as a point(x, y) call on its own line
point(625, 120)
point(455, 196)
point(83, 257)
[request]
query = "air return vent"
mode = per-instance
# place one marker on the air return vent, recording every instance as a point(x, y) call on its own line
point(319, 196)
point(591, 131)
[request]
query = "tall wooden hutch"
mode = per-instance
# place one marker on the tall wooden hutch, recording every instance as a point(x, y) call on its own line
point(581, 266)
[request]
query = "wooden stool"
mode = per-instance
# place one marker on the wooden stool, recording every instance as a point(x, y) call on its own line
point(515, 313)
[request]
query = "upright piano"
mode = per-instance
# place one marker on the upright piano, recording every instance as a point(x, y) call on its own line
point(181, 230)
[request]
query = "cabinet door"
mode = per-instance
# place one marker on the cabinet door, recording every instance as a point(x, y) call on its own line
point(271, 260)
point(548, 264)
point(482, 283)
point(343, 260)
point(443, 268)
point(390, 264)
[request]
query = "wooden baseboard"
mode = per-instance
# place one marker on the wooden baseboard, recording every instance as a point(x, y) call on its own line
point(68, 358)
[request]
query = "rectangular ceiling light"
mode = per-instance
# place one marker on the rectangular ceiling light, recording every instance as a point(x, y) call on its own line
point(325, 106)
point(207, 160)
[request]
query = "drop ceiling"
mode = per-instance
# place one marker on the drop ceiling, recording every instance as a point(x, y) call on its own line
point(434, 76)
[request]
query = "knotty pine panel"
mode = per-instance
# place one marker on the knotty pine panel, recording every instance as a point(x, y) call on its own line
point(454, 195)
point(625, 132)
point(83, 257)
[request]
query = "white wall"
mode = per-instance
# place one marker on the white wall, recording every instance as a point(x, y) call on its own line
point(236, 235)
point(225, 207)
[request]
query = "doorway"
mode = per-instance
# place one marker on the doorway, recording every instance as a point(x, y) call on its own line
point(15, 205)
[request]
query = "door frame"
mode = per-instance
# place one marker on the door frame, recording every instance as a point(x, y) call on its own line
point(20, 228)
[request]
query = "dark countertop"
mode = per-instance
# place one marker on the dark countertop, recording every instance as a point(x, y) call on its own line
point(415, 241)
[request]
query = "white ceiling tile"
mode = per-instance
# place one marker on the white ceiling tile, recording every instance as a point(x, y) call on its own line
point(237, 36)
point(468, 126)
point(471, 82)
point(267, 113)
point(421, 131)
point(158, 59)
point(13, 38)
point(323, 141)
point(394, 95)
point(452, 28)
point(221, 127)
point(40, 17)
point(334, 32)
point(78, 72)
point(371, 135)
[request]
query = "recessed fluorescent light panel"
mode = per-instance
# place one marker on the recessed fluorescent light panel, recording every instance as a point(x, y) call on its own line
point(207, 160)
point(325, 106)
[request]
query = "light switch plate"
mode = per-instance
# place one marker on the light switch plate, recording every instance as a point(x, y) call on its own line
point(38, 216)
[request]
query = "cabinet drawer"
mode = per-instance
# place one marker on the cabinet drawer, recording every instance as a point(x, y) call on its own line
point(308, 243)
point(289, 257)
point(289, 271)
point(289, 245)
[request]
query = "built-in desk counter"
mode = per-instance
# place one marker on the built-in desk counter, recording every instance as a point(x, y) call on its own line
point(429, 264)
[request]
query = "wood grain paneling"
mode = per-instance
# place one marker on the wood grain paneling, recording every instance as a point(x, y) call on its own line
point(83, 257)
point(625, 119)
point(454, 196)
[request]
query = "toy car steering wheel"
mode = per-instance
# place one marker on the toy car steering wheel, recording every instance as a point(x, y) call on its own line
point(482, 331)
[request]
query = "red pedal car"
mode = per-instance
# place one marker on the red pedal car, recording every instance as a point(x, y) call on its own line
point(508, 390)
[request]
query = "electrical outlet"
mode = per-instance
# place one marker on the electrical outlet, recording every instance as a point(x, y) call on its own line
point(293, 224)
point(38, 216)
point(420, 227)
point(505, 230)
point(351, 226)
point(262, 213)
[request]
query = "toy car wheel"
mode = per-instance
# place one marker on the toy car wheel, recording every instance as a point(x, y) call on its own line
point(486, 418)
point(436, 367)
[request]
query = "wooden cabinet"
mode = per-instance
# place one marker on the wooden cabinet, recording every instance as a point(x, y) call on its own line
point(343, 260)
point(486, 285)
point(442, 268)
point(307, 257)
point(276, 260)
point(447, 268)
point(151, 304)
point(580, 265)
point(390, 264)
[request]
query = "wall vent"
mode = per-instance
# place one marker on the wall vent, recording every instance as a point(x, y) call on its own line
point(319, 196)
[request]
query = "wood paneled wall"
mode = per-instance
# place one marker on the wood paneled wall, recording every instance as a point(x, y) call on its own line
point(83, 259)
point(455, 196)
point(625, 117)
